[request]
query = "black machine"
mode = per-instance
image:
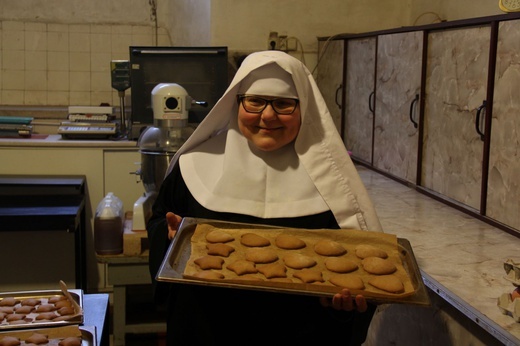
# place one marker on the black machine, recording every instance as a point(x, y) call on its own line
point(202, 71)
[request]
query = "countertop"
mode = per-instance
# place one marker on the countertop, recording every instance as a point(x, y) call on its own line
point(40, 140)
point(460, 256)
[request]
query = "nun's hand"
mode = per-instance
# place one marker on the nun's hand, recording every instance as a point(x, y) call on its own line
point(173, 221)
point(345, 301)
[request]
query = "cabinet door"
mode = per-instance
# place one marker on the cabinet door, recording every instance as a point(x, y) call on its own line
point(330, 76)
point(457, 67)
point(359, 97)
point(398, 85)
point(503, 198)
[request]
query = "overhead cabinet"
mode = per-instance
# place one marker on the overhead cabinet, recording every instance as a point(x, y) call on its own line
point(437, 107)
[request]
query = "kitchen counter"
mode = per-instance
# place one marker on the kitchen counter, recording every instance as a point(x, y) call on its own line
point(40, 140)
point(460, 256)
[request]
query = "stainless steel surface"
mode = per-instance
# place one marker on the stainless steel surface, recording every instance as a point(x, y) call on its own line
point(77, 295)
point(153, 169)
point(179, 252)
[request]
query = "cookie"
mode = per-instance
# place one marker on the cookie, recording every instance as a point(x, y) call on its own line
point(289, 242)
point(241, 267)
point(45, 308)
point(340, 265)
point(70, 341)
point(309, 276)
point(219, 249)
point(25, 309)
point(261, 255)
point(9, 301)
point(10, 341)
point(47, 316)
point(378, 266)
point(350, 281)
point(218, 236)
point(254, 240)
point(14, 317)
point(62, 304)
point(388, 283)
point(30, 302)
point(273, 270)
point(209, 262)
point(209, 274)
point(298, 261)
point(327, 247)
point(37, 338)
point(366, 250)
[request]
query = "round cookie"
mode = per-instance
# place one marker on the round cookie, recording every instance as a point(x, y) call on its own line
point(367, 250)
point(350, 281)
point(254, 240)
point(261, 255)
point(298, 261)
point(289, 242)
point(388, 283)
point(218, 236)
point(378, 266)
point(340, 265)
point(327, 247)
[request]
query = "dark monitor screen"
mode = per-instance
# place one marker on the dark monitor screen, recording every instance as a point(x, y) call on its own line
point(202, 71)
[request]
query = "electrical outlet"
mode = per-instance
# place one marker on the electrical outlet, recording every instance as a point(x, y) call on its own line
point(282, 43)
point(273, 40)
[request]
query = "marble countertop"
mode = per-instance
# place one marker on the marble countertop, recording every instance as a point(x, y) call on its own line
point(51, 140)
point(461, 256)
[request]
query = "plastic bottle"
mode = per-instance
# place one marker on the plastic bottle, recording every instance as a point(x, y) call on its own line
point(108, 226)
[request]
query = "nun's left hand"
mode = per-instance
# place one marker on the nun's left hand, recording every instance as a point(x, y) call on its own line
point(345, 301)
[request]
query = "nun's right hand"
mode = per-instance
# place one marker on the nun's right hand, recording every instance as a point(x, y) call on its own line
point(174, 222)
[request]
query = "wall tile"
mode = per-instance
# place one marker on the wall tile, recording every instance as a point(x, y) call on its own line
point(58, 81)
point(13, 59)
point(35, 80)
point(36, 61)
point(13, 97)
point(58, 61)
point(13, 80)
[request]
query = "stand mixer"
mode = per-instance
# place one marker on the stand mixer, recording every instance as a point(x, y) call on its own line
point(159, 143)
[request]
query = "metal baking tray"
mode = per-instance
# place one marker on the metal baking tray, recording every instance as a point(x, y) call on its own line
point(77, 295)
point(88, 334)
point(179, 251)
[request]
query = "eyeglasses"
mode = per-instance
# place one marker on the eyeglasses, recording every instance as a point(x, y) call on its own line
point(256, 104)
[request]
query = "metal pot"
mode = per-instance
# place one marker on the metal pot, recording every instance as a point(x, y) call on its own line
point(153, 168)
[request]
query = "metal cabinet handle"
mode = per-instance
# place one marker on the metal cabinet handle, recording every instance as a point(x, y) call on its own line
point(412, 104)
point(478, 120)
point(336, 99)
point(371, 102)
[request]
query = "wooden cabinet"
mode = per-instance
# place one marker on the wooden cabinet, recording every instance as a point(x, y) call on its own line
point(330, 77)
point(455, 86)
point(437, 107)
point(359, 97)
point(503, 195)
point(398, 87)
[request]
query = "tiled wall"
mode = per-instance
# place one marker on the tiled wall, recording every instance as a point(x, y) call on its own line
point(45, 64)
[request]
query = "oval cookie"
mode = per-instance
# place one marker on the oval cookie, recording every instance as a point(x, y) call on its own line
point(388, 283)
point(340, 265)
point(209, 262)
point(378, 266)
point(254, 240)
point(218, 236)
point(327, 247)
point(350, 281)
point(261, 255)
point(37, 338)
point(366, 250)
point(298, 261)
point(289, 242)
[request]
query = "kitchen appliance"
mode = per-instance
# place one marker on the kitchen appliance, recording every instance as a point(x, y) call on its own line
point(202, 71)
point(86, 122)
point(120, 77)
point(159, 143)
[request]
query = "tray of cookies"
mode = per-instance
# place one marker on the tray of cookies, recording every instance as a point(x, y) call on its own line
point(319, 262)
point(60, 336)
point(35, 309)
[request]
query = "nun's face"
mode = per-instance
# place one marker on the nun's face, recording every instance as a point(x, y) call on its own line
point(269, 130)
